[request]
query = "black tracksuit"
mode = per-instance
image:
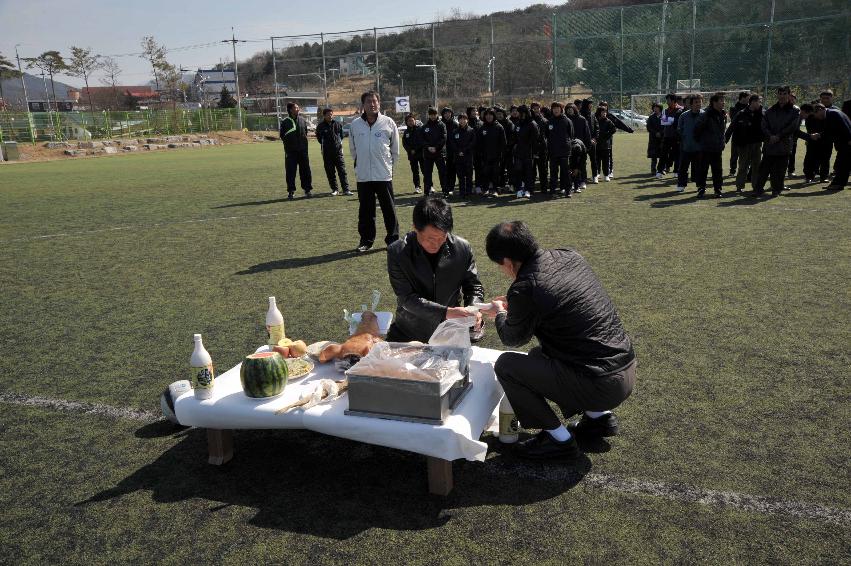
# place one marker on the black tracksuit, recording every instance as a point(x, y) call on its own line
point(582, 132)
point(490, 145)
point(293, 133)
point(817, 157)
point(526, 137)
point(505, 160)
point(451, 125)
point(559, 131)
point(413, 146)
point(604, 145)
point(654, 140)
point(594, 130)
point(433, 134)
point(476, 123)
point(541, 156)
point(734, 151)
point(837, 130)
point(746, 132)
point(330, 137)
point(619, 124)
point(463, 144)
point(709, 131)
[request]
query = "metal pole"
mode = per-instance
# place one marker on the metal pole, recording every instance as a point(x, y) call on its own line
point(555, 46)
point(324, 70)
point(768, 50)
point(275, 78)
point(236, 80)
point(693, 32)
point(620, 100)
point(432, 45)
point(23, 82)
point(493, 67)
point(662, 45)
point(377, 78)
point(434, 70)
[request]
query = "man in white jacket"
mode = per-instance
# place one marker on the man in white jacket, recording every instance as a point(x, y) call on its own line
point(374, 146)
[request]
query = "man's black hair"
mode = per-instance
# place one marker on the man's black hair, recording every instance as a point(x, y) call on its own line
point(432, 110)
point(671, 96)
point(744, 94)
point(808, 108)
point(291, 105)
point(432, 211)
point(827, 92)
point(753, 97)
point(512, 240)
point(368, 94)
point(327, 110)
point(716, 97)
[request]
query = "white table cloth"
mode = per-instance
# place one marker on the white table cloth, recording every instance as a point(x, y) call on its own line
point(457, 438)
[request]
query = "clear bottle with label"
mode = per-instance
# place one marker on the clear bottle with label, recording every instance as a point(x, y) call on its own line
point(203, 375)
point(274, 323)
point(509, 427)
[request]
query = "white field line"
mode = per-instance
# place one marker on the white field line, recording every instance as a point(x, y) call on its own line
point(574, 202)
point(681, 493)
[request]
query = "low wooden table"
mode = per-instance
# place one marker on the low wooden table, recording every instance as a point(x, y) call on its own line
point(457, 438)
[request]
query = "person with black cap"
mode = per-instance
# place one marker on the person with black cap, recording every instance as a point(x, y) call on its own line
point(559, 133)
point(464, 148)
point(541, 155)
point(434, 152)
point(293, 133)
point(447, 116)
point(329, 134)
point(587, 112)
point(491, 143)
point(413, 146)
point(526, 135)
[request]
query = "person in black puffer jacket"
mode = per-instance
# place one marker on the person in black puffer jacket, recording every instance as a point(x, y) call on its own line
point(741, 104)
point(587, 112)
point(464, 147)
point(329, 134)
point(654, 137)
point(541, 154)
point(293, 133)
point(559, 133)
point(526, 138)
point(433, 134)
point(583, 133)
point(607, 129)
point(490, 143)
point(779, 124)
point(505, 161)
point(709, 131)
point(585, 361)
point(746, 132)
point(413, 145)
point(448, 119)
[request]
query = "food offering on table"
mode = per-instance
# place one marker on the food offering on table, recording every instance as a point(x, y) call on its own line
point(264, 375)
point(313, 350)
point(299, 367)
point(274, 323)
point(323, 390)
point(358, 345)
point(290, 348)
point(202, 374)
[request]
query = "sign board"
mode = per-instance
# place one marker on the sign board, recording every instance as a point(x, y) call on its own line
point(38, 106)
point(403, 104)
point(64, 106)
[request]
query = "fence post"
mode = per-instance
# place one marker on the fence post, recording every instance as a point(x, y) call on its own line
point(555, 49)
point(768, 50)
point(493, 63)
point(377, 77)
point(662, 44)
point(693, 33)
point(620, 72)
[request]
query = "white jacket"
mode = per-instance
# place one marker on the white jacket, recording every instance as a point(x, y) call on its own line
point(375, 149)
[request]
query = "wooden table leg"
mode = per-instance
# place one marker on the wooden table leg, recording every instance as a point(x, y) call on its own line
point(439, 476)
point(220, 446)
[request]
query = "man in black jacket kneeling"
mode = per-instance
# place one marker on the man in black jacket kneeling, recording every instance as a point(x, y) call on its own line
point(585, 361)
point(432, 271)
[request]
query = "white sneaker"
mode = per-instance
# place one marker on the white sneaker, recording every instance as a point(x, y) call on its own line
point(681, 189)
point(334, 193)
point(520, 193)
point(596, 178)
point(417, 190)
point(608, 178)
point(659, 175)
point(582, 187)
point(450, 193)
point(611, 175)
point(527, 194)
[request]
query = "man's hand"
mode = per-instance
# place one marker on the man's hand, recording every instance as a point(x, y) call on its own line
point(499, 305)
point(432, 149)
point(815, 137)
point(457, 312)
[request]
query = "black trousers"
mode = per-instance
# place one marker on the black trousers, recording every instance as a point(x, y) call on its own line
point(670, 156)
point(334, 167)
point(530, 380)
point(817, 160)
point(602, 157)
point(464, 170)
point(791, 165)
point(611, 155)
point(772, 167)
point(688, 158)
point(592, 157)
point(490, 173)
point(560, 174)
point(710, 159)
point(430, 160)
point(842, 165)
point(524, 171)
point(505, 164)
point(734, 158)
point(297, 160)
point(541, 168)
point(478, 159)
point(367, 193)
point(449, 175)
point(416, 164)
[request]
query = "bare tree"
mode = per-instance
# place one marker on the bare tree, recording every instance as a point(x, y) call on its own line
point(154, 53)
point(50, 62)
point(81, 65)
point(111, 70)
point(7, 71)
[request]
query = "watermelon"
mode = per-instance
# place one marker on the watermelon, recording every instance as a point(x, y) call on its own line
point(263, 374)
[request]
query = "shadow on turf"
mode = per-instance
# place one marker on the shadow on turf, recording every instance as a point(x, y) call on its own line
point(296, 262)
point(330, 487)
point(271, 201)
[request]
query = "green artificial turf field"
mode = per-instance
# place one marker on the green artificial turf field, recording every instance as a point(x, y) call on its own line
point(738, 309)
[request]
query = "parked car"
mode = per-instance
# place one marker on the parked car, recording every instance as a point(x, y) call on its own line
point(632, 119)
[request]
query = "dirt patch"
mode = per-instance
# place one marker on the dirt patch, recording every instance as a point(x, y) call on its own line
point(102, 148)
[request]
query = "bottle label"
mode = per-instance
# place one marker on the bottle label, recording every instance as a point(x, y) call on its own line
point(508, 424)
point(202, 377)
point(276, 333)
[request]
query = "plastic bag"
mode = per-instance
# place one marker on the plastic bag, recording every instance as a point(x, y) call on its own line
point(453, 332)
point(415, 362)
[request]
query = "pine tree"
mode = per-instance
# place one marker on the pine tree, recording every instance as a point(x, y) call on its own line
point(226, 100)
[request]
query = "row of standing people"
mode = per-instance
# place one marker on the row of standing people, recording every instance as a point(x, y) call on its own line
point(763, 141)
point(492, 150)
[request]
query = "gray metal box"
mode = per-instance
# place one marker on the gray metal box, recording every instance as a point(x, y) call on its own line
point(407, 399)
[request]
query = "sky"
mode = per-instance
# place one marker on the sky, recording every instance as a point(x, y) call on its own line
point(117, 27)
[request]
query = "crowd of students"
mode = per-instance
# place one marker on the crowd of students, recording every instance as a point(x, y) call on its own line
point(487, 151)
point(764, 141)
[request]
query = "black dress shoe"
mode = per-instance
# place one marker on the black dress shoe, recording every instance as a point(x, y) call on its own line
point(586, 427)
point(289, 196)
point(364, 248)
point(544, 447)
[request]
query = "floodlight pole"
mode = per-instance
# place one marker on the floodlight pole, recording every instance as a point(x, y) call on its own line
point(23, 82)
point(434, 73)
point(275, 78)
point(233, 41)
point(324, 70)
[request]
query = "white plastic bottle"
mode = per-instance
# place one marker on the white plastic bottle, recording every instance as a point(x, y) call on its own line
point(509, 427)
point(274, 323)
point(203, 376)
